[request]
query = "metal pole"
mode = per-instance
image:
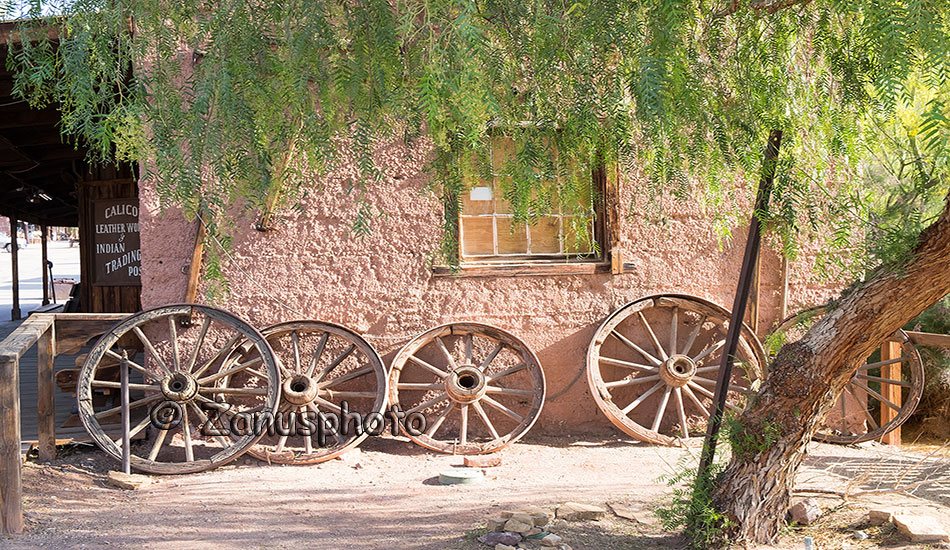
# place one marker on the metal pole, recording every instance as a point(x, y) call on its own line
point(46, 279)
point(739, 306)
point(15, 267)
point(52, 285)
point(124, 383)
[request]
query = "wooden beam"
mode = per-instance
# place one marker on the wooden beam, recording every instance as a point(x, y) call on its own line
point(11, 511)
point(45, 268)
point(45, 384)
point(891, 392)
point(194, 269)
point(929, 339)
point(15, 269)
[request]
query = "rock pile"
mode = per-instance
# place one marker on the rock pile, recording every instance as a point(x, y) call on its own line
point(916, 527)
point(523, 528)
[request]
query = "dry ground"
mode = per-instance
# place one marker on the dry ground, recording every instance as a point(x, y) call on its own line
point(386, 496)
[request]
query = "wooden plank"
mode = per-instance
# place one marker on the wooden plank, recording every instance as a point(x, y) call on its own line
point(73, 330)
point(892, 392)
point(46, 419)
point(523, 270)
point(11, 513)
point(930, 339)
point(25, 335)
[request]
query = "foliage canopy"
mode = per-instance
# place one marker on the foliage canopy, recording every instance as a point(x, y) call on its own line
point(235, 100)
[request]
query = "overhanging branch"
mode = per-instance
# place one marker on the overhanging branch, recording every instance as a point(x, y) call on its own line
point(769, 7)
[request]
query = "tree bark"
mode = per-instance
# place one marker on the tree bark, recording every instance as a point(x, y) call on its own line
point(806, 377)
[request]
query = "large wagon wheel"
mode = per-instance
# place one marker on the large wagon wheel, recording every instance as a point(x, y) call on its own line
point(324, 368)
point(176, 357)
point(479, 388)
point(874, 388)
point(652, 366)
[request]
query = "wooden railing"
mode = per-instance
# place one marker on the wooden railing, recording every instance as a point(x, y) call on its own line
point(53, 334)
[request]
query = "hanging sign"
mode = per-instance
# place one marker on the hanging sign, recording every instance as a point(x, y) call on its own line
point(117, 253)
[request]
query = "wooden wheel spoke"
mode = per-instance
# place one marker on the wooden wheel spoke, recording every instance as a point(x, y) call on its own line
point(627, 364)
point(307, 439)
point(481, 414)
point(691, 339)
point(506, 372)
point(709, 350)
point(227, 347)
point(632, 381)
point(157, 445)
point(116, 385)
point(201, 338)
point(491, 356)
point(732, 387)
point(235, 369)
point(203, 418)
point(864, 409)
point(870, 366)
point(412, 386)
point(468, 348)
point(674, 327)
point(711, 368)
point(335, 363)
point(653, 338)
point(232, 391)
point(428, 403)
point(509, 391)
point(151, 349)
point(626, 341)
point(431, 431)
point(315, 358)
point(186, 434)
point(433, 369)
point(445, 352)
point(692, 397)
point(684, 427)
point(133, 404)
point(463, 425)
point(316, 410)
point(132, 364)
point(664, 401)
point(884, 380)
point(328, 404)
point(636, 402)
point(134, 431)
point(508, 412)
point(709, 394)
point(280, 443)
point(352, 394)
point(876, 395)
point(295, 341)
point(173, 337)
point(346, 377)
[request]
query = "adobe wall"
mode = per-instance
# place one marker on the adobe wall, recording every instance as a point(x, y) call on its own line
point(381, 285)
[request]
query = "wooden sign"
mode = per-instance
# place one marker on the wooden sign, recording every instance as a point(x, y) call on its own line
point(117, 253)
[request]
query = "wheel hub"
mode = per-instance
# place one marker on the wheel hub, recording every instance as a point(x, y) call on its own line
point(179, 387)
point(466, 384)
point(299, 389)
point(678, 370)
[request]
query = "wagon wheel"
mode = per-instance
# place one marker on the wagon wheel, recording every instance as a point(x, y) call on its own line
point(652, 366)
point(893, 385)
point(176, 361)
point(324, 368)
point(478, 387)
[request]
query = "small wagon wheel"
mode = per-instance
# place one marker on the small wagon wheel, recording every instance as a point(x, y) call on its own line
point(478, 388)
point(176, 357)
point(652, 366)
point(892, 385)
point(327, 369)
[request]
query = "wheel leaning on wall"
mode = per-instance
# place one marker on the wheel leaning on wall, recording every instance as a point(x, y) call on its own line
point(478, 388)
point(856, 414)
point(183, 392)
point(652, 366)
point(324, 368)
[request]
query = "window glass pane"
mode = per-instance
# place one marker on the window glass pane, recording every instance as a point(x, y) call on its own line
point(577, 235)
point(545, 235)
point(512, 242)
point(477, 236)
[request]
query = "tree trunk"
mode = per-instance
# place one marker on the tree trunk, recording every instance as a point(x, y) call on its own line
point(807, 376)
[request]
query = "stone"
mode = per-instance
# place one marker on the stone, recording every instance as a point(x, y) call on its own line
point(127, 481)
point(859, 535)
point(495, 538)
point(500, 546)
point(551, 540)
point(539, 515)
point(518, 526)
point(534, 531)
point(921, 528)
point(623, 511)
point(496, 523)
point(486, 461)
point(805, 512)
point(573, 511)
point(523, 518)
point(879, 516)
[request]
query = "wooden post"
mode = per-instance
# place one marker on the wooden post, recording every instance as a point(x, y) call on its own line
point(891, 350)
point(46, 418)
point(754, 294)
point(194, 270)
point(14, 266)
point(44, 269)
point(11, 513)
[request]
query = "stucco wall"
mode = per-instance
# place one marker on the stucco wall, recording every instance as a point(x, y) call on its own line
point(381, 285)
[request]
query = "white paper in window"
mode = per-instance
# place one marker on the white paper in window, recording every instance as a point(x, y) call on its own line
point(480, 194)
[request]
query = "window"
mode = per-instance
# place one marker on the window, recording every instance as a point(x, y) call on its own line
point(489, 232)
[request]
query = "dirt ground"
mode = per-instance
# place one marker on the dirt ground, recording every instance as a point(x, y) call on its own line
point(386, 495)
